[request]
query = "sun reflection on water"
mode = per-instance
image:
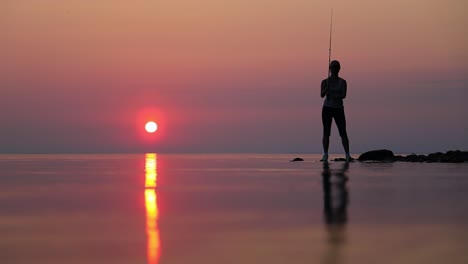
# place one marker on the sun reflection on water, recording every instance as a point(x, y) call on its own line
point(151, 170)
point(152, 212)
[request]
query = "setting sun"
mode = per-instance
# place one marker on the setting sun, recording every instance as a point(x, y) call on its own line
point(151, 127)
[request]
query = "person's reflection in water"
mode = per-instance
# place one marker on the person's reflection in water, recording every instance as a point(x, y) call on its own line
point(335, 205)
point(152, 212)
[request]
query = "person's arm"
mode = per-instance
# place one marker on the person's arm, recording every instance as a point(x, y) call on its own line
point(345, 89)
point(324, 88)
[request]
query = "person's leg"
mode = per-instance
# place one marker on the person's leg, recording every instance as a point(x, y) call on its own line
point(340, 121)
point(326, 121)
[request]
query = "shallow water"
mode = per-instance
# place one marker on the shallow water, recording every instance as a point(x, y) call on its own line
point(229, 209)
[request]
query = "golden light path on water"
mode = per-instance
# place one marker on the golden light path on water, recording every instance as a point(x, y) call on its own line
point(152, 212)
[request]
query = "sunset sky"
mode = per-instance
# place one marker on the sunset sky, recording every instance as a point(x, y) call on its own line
point(230, 76)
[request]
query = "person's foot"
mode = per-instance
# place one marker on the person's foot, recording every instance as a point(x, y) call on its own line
point(348, 158)
point(325, 157)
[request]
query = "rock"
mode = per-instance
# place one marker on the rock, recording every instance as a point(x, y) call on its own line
point(296, 159)
point(422, 158)
point(454, 156)
point(411, 158)
point(434, 157)
point(399, 158)
point(378, 155)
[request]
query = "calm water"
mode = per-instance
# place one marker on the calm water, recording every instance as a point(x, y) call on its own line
point(229, 209)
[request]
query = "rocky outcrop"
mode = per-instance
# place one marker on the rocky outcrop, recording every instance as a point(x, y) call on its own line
point(377, 155)
point(296, 159)
point(453, 156)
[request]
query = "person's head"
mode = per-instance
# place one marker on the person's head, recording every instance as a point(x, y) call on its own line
point(335, 67)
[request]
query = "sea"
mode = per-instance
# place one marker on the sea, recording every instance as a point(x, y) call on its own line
point(229, 208)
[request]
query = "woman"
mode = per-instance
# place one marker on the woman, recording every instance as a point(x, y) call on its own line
point(334, 88)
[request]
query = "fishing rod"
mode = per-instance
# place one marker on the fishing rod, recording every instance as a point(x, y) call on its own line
point(329, 47)
point(329, 50)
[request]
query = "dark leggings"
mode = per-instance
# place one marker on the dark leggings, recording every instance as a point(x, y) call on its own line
point(329, 113)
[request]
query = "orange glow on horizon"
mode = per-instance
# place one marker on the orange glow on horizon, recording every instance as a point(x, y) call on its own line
point(152, 211)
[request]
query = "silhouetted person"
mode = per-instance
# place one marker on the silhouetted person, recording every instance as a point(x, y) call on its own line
point(334, 90)
point(335, 210)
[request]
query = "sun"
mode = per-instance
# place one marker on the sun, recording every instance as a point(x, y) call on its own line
point(151, 127)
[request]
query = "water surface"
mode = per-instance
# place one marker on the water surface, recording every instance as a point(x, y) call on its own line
point(148, 208)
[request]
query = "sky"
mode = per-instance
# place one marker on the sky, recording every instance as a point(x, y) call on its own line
point(230, 76)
